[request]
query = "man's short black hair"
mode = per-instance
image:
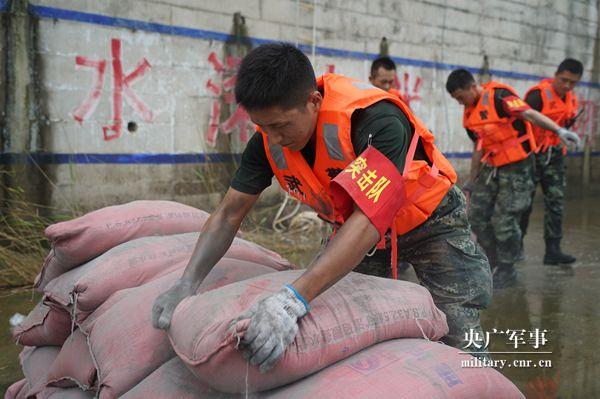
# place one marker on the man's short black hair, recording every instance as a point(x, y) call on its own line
point(571, 65)
point(275, 74)
point(459, 79)
point(385, 62)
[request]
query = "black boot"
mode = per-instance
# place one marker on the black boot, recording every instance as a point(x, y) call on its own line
point(554, 256)
point(505, 275)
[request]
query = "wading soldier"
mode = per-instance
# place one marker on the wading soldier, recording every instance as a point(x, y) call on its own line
point(500, 180)
point(555, 99)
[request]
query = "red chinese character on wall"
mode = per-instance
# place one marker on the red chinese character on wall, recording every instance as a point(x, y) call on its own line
point(222, 89)
point(409, 94)
point(122, 83)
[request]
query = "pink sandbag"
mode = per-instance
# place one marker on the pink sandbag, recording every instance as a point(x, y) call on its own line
point(74, 366)
point(14, 391)
point(127, 265)
point(174, 380)
point(252, 252)
point(79, 240)
point(44, 325)
point(60, 393)
point(401, 368)
point(69, 393)
point(124, 345)
point(35, 362)
point(355, 313)
point(136, 262)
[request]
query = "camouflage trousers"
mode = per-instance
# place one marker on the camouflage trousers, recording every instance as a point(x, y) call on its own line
point(499, 199)
point(549, 171)
point(449, 264)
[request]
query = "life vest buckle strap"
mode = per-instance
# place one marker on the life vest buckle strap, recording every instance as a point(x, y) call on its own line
point(410, 155)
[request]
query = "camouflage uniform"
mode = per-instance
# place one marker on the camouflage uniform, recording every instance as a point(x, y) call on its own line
point(499, 199)
point(448, 263)
point(549, 170)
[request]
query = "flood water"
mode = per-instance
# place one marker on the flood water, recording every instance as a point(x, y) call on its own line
point(563, 302)
point(21, 301)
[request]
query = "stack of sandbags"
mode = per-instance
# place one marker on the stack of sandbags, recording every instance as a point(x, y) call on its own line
point(99, 310)
point(399, 368)
point(365, 337)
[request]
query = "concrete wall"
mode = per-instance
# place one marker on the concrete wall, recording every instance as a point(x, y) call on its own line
point(108, 142)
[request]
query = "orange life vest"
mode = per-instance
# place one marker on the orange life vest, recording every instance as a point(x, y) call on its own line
point(425, 185)
point(497, 137)
point(555, 108)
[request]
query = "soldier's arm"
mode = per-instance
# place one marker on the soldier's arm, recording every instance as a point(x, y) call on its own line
point(514, 106)
point(540, 120)
point(215, 239)
point(218, 234)
point(253, 176)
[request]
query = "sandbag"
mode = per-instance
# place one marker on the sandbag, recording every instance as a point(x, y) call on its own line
point(69, 393)
point(127, 265)
point(247, 250)
point(35, 362)
point(401, 368)
point(44, 325)
point(79, 240)
point(14, 391)
point(174, 380)
point(136, 262)
point(124, 345)
point(73, 366)
point(18, 390)
point(355, 313)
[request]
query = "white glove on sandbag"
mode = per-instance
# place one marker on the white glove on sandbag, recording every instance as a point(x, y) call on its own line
point(273, 326)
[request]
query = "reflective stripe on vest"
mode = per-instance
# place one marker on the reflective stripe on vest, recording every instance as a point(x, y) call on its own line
point(332, 141)
point(278, 156)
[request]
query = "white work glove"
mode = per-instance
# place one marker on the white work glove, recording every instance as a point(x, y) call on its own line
point(569, 137)
point(273, 326)
point(165, 304)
